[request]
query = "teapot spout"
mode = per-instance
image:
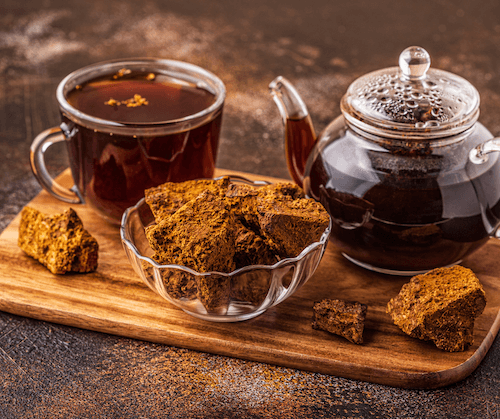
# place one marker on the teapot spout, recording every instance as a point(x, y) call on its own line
point(299, 131)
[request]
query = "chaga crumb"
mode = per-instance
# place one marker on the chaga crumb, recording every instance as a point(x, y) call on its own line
point(440, 306)
point(121, 73)
point(59, 241)
point(136, 100)
point(112, 102)
point(343, 318)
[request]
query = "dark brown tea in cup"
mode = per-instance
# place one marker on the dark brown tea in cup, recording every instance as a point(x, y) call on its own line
point(113, 170)
point(134, 97)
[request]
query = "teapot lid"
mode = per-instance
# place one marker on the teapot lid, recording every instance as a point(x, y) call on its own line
point(411, 101)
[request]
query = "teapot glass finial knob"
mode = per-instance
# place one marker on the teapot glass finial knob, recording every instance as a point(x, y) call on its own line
point(414, 62)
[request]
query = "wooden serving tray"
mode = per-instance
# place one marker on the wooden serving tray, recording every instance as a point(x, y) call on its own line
point(114, 300)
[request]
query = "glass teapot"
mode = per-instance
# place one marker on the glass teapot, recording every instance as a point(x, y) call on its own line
point(407, 173)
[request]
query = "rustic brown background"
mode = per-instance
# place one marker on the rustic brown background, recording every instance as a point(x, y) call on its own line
point(51, 371)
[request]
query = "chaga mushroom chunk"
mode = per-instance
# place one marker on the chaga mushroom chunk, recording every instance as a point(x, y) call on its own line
point(440, 306)
point(59, 242)
point(343, 318)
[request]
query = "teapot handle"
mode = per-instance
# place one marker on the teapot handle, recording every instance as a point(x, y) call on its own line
point(479, 154)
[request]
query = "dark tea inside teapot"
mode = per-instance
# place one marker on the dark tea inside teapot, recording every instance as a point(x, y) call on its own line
point(406, 172)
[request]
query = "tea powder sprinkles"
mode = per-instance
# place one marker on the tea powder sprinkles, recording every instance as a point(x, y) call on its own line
point(133, 102)
point(122, 72)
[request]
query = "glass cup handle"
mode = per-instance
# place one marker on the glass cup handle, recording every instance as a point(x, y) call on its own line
point(37, 159)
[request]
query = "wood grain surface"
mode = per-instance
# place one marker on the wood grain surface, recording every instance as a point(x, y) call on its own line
point(114, 300)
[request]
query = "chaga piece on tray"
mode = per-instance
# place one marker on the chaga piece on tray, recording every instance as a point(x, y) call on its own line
point(58, 241)
point(440, 306)
point(343, 318)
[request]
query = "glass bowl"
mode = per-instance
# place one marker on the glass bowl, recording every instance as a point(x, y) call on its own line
point(215, 296)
